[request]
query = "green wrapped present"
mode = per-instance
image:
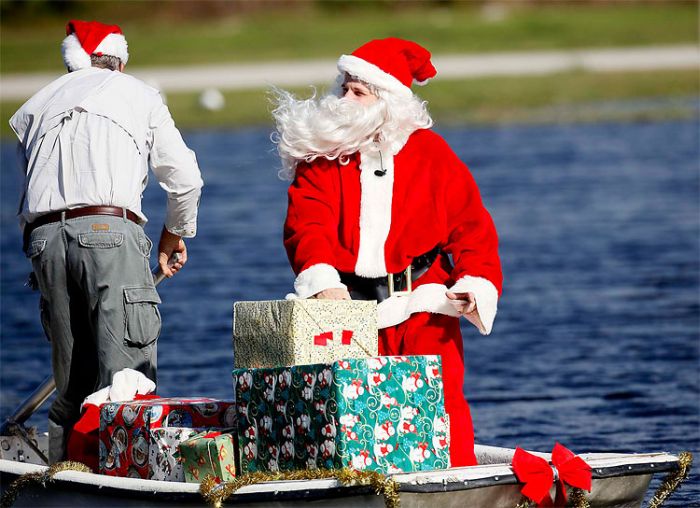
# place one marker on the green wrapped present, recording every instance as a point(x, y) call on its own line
point(294, 332)
point(383, 414)
point(208, 453)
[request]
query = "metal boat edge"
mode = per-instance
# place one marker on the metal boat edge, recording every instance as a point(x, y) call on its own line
point(616, 477)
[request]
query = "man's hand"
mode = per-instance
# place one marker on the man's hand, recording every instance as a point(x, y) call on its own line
point(465, 303)
point(170, 244)
point(333, 294)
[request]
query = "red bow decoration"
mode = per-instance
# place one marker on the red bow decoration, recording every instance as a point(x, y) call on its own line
point(538, 475)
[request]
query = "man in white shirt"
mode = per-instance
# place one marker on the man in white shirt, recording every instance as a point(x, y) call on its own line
point(86, 142)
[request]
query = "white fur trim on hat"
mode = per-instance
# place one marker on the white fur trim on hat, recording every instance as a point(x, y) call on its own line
point(74, 56)
point(372, 74)
point(115, 45)
point(486, 296)
point(315, 279)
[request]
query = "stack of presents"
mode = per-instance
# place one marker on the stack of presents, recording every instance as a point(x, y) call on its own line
point(310, 391)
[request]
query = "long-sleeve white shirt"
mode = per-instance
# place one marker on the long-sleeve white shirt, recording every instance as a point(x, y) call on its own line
point(89, 138)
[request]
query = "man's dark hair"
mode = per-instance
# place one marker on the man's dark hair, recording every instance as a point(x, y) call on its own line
point(105, 62)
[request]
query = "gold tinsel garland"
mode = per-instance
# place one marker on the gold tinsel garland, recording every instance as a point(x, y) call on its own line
point(577, 499)
point(216, 493)
point(673, 480)
point(10, 495)
point(525, 503)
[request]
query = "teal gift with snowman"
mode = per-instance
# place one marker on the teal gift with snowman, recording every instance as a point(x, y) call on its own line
point(384, 414)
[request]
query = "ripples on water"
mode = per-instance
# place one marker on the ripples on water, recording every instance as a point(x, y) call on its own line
point(596, 340)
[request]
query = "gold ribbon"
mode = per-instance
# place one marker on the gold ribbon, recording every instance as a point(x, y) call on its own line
point(674, 479)
point(10, 495)
point(216, 493)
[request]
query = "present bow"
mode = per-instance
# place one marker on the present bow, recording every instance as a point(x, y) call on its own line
point(539, 476)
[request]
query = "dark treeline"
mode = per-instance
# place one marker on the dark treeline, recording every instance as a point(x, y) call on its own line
point(20, 10)
point(189, 9)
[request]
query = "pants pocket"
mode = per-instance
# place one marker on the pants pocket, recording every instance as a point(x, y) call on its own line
point(35, 248)
point(141, 315)
point(145, 245)
point(100, 240)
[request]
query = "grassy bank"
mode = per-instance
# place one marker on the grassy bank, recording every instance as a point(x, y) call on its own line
point(561, 97)
point(485, 100)
point(31, 41)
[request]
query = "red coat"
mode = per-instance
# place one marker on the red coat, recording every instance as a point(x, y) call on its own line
point(346, 218)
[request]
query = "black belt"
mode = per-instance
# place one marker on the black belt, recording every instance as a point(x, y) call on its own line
point(114, 211)
point(381, 288)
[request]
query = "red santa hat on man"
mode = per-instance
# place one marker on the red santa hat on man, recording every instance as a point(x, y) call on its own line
point(390, 64)
point(85, 38)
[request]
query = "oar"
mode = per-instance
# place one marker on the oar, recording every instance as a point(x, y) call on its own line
point(48, 386)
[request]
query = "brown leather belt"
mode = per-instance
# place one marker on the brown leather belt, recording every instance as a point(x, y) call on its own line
point(114, 211)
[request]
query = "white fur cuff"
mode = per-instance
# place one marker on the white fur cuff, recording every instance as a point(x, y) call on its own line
point(425, 298)
point(486, 296)
point(316, 278)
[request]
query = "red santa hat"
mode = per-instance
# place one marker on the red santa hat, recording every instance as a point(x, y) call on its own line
point(390, 64)
point(86, 38)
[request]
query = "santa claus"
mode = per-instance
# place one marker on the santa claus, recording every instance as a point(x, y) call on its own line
point(381, 208)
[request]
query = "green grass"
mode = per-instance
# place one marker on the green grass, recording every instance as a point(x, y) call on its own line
point(568, 96)
point(530, 98)
point(31, 42)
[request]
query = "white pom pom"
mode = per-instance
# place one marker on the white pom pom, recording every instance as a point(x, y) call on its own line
point(74, 56)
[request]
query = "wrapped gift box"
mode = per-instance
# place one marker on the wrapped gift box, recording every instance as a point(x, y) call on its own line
point(384, 414)
point(125, 429)
point(292, 332)
point(163, 453)
point(209, 453)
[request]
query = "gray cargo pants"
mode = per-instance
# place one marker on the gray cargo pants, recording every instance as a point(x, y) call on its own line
point(98, 309)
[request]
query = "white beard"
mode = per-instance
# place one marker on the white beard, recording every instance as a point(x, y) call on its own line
point(335, 128)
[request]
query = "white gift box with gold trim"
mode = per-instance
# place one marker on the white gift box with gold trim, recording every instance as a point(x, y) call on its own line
point(303, 331)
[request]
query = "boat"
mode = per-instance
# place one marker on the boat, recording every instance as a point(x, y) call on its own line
point(619, 480)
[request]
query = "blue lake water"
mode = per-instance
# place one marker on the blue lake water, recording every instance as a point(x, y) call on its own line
point(596, 343)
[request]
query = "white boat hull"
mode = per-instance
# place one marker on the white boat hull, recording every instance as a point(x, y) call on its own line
point(619, 481)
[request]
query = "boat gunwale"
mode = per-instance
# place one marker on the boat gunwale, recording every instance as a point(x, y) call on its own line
point(618, 465)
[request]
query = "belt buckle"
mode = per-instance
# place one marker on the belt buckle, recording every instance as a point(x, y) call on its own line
point(409, 287)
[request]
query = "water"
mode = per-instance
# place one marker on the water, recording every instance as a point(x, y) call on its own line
point(596, 341)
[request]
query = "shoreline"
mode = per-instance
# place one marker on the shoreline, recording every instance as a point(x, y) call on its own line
point(450, 67)
point(483, 89)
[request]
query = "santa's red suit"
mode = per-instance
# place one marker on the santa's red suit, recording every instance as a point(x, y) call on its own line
point(376, 213)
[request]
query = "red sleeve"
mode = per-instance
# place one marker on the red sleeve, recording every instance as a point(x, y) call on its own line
point(472, 238)
point(311, 226)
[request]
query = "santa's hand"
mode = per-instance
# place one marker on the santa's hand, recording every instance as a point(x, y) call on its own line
point(465, 303)
point(333, 294)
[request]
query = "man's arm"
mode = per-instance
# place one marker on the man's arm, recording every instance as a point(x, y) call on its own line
point(473, 244)
point(176, 169)
point(311, 232)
